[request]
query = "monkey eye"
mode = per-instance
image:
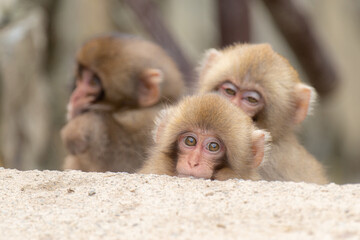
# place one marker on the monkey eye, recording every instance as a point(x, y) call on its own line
point(251, 97)
point(190, 141)
point(95, 81)
point(213, 147)
point(228, 89)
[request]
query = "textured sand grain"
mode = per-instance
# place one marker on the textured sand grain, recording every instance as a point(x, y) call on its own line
point(77, 205)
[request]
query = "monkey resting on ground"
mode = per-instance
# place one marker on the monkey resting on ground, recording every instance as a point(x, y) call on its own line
point(205, 136)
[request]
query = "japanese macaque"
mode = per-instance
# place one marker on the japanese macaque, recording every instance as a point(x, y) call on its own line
point(265, 85)
point(205, 136)
point(121, 83)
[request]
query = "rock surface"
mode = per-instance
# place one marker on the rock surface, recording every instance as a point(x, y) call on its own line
point(77, 205)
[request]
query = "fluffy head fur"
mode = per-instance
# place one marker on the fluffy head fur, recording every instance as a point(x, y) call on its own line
point(257, 67)
point(205, 112)
point(120, 60)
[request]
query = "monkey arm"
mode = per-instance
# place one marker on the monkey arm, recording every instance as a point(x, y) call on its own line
point(76, 134)
point(226, 173)
point(72, 162)
point(157, 164)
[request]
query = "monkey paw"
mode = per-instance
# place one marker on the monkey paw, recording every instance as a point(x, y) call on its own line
point(73, 139)
point(76, 147)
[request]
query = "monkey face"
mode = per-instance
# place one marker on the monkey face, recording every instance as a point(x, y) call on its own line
point(260, 82)
point(206, 137)
point(132, 71)
point(88, 89)
point(199, 154)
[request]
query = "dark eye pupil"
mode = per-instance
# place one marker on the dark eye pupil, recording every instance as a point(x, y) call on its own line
point(230, 91)
point(252, 100)
point(94, 81)
point(213, 146)
point(190, 141)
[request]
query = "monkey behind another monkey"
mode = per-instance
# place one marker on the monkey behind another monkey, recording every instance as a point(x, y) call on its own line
point(264, 85)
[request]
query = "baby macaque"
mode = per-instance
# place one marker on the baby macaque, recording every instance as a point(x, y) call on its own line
point(205, 136)
point(264, 84)
point(121, 83)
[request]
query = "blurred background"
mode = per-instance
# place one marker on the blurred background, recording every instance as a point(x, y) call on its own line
point(39, 39)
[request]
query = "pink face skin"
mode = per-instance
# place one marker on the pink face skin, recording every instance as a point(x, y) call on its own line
point(88, 88)
point(199, 154)
point(248, 100)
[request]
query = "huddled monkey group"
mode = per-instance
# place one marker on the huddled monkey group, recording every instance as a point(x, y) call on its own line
point(129, 111)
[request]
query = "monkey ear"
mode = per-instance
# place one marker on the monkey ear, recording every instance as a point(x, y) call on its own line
point(209, 57)
point(260, 146)
point(149, 87)
point(306, 97)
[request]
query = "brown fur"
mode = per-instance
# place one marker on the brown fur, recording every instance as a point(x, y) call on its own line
point(120, 61)
point(205, 112)
point(114, 133)
point(258, 67)
point(2, 164)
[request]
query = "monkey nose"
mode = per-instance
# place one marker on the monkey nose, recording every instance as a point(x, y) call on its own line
point(194, 163)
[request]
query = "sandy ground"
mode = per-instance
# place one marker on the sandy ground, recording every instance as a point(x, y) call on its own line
point(77, 205)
